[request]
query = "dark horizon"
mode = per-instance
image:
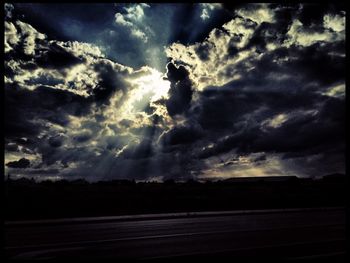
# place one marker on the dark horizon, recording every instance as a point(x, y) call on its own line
point(27, 199)
point(202, 180)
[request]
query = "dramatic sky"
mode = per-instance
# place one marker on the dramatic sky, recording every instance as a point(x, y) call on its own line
point(181, 91)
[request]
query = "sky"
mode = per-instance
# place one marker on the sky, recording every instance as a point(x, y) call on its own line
point(174, 91)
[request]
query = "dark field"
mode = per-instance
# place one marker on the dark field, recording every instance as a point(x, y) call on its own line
point(289, 234)
point(27, 199)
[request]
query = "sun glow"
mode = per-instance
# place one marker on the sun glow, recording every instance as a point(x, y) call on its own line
point(153, 83)
point(148, 86)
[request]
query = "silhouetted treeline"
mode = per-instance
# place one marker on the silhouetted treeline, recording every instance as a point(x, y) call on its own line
point(27, 199)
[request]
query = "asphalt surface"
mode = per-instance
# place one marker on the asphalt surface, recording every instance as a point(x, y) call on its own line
point(284, 234)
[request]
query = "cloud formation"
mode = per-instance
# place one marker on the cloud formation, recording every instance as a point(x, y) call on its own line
point(180, 92)
point(132, 18)
point(263, 85)
point(21, 163)
point(262, 94)
point(207, 8)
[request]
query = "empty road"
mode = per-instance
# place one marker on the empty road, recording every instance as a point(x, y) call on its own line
point(293, 234)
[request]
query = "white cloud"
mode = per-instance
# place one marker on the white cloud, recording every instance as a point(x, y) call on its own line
point(213, 71)
point(241, 27)
point(301, 35)
point(334, 22)
point(221, 65)
point(207, 8)
point(243, 166)
point(337, 91)
point(119, 19)
point(82, 49)
point(258, 13)
point(21, 32)
point(139, 34)
point(28, 36)
point(219, 68)
point(11, 38)
point(136, 12)
point(133, 20)
point(82, 76)
point(276, 121)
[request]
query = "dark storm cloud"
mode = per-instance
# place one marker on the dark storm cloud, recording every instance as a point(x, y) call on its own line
point(11, 147)
point(232, 49)
point(22, 163)
point(260, 158)
point(181, 135)
point(52, 100)
point(56, 141)
point(56, 57)
point(24, 106)
point(259, 86)
point(278, 104)
point(219, 109)
point(83, 137)
point(109, 81)
point(316, 60)
point(180, 93)
point(241, 113)
point(203, 51)
point(126, 123)
point(43, 171)
point(65, 156)
point(63, 118)
point(313, 14)
point(41, 104)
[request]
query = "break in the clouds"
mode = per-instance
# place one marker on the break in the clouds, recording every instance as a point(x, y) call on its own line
point(159, 91)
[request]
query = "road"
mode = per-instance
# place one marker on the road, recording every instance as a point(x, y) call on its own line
point(284, 234)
